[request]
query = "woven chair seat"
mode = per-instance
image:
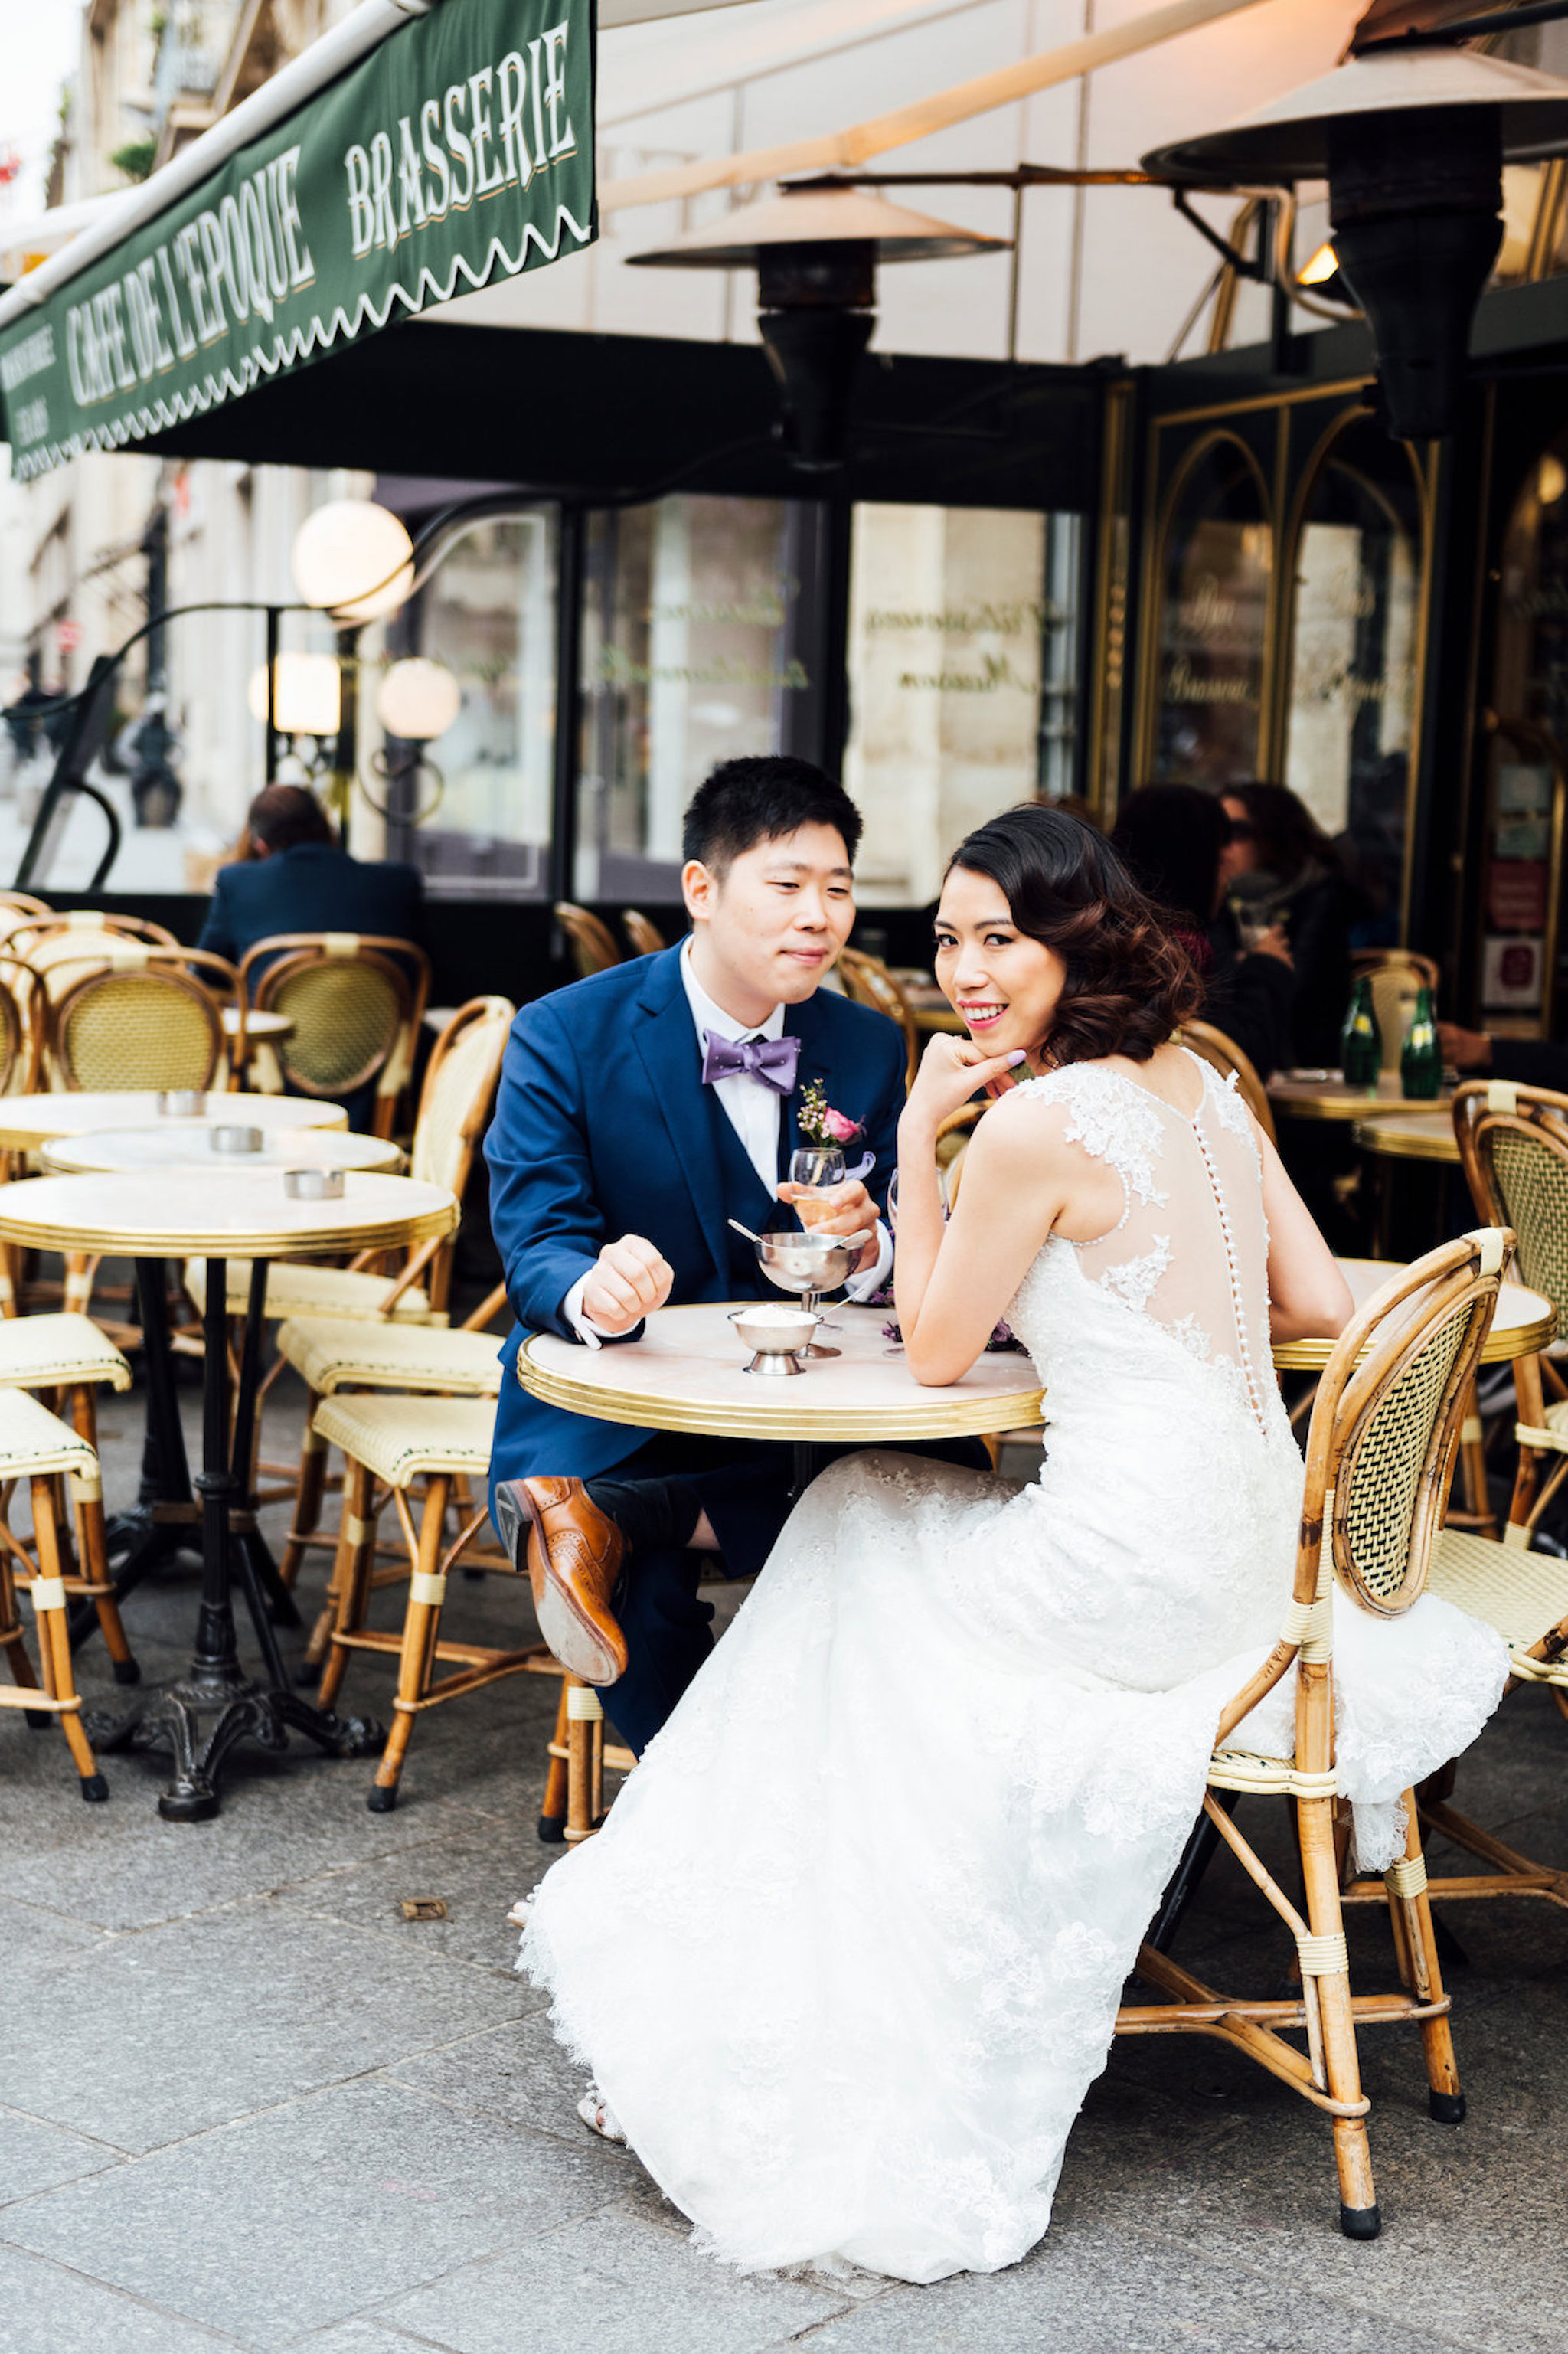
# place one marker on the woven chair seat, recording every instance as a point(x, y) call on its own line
point(333, 1353)
point(1550, 1435)
point(401, 1438)
point(46, 1352)
point(1523, 1594)
point(297, 1288)
point(35, 1441)
point(1249, 1769)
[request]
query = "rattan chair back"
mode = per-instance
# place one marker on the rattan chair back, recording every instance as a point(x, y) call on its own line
point(15, 904)
point(21, 1041)
point(355, 1014)
point(140, 1018)
point(1396, 975)
point(1513, 1147)
point(1225, 1057)
point(591, 942)
point(459, 1090)
point(867, 982)
point(56, 947)
point(646, 939)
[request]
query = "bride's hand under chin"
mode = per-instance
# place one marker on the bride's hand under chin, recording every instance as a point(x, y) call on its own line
point(952, 1070)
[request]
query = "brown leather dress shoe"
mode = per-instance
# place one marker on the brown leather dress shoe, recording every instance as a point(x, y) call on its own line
point(573, 1556)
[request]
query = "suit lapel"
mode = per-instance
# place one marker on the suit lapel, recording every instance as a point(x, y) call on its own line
point(666, 1041)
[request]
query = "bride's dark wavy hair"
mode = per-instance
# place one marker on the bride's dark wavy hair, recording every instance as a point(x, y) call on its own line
point(1128, 981)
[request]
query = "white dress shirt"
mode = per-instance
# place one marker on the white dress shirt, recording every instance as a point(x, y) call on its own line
point(752, 1109)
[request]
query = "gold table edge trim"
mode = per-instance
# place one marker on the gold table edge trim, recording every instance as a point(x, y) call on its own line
point(1416, 1143)
point(383, 1234)
point(1343, 1108)
point(1499, 1348)
point(1009, 1410)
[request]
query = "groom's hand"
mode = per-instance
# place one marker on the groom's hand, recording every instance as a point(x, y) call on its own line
point(629, 1281)
point(846, 1209)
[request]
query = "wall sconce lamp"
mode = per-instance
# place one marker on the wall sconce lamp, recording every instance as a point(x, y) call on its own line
point(352, 561)
point(417, 701)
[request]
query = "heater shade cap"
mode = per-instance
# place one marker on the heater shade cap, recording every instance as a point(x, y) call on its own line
point(1287, 139)
point(817, 215)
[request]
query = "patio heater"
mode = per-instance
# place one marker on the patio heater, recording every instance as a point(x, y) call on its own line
point(815, 247)
point(1411, 136)
point(353, 562)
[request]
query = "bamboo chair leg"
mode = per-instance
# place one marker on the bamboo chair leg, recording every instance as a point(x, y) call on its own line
point(349, 1591)
point(585, 1760)
point(14, 1644)
point(308, 1500)
point(54, 1639)
point(1358, 2218)
point(1531, 1403)
point(80, 1270)
point(553, 1806)
point(1473, 1463)
point(421, 1627)
point(1409, 1903)
point(92, 1542)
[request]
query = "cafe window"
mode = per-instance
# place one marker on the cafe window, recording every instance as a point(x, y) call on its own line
point(1354, 651)
point(962, 677)
point(1525, 778)
point(691, 613)
point(482, 827)
point(1215, 560)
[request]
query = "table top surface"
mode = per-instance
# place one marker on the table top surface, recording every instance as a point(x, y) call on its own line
point(1323, 1094)
point(688, 1372)
point(28, 1121)
point(167, 1213)
point(1409, 1136)
point(1524, 1322)
point(257, 1024)
point(188, 1144)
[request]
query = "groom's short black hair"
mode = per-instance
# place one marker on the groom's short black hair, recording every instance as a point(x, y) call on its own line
point(760, 798)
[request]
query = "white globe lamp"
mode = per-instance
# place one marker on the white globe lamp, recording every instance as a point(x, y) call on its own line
point(354, 560)
point(418, 699)
point(307, 698)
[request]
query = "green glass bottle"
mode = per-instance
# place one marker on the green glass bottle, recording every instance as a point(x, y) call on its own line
point(1421, 1058)
point(1360, 1040)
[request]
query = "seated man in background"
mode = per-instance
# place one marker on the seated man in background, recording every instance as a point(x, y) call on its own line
point(1533, 1062)
point(293, 877)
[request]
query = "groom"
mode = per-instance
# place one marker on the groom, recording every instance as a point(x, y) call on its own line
point(639, 1111)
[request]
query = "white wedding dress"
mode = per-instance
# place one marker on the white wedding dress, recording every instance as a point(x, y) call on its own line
point(846, 1956)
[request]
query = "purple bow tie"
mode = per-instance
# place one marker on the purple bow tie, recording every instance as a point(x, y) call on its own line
point(772, 1060)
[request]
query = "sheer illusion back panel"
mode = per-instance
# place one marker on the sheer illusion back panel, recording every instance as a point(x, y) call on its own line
point(1190, 1249)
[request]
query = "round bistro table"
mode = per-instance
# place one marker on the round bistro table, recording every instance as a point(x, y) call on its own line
point(28, 1122)
point(167, 1214)
point(1524, 1322)
point(1319, 1097)
point(688, 1373)
point(188, 1144)
point(1411, 1135)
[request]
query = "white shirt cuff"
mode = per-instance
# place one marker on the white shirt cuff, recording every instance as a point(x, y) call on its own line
point(587, 1332)
point(861, 1286)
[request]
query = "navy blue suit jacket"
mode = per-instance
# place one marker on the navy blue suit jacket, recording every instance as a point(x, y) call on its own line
point(602, 1128)
point(313, 887)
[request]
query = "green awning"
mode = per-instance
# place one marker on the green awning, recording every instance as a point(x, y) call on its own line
point(458, 151)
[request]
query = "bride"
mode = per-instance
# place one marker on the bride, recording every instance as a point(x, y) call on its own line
point(848, 1952)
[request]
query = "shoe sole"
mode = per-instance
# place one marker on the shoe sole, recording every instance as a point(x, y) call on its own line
point(571, 1640)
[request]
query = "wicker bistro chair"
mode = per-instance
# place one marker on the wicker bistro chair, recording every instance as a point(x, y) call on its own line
point(140, 1017)
point(1380, 1457)
point(1513, 1146)
point(354, 1010)
point(69, 1359)
point(591, 942)
point(1395, 974)
point(389, 1443)
point(1203, 1039)
point(36, 1445)
point(21, 1038)
point(646, 939)
point(867, 982)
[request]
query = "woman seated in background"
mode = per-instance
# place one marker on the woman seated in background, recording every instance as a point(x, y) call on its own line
point(1282, 871)
point(1177, 840)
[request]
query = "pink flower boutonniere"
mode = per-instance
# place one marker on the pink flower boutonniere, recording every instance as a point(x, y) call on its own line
point(821, 1124)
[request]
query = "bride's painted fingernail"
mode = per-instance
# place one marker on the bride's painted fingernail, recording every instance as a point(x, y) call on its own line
point(1016, 1058)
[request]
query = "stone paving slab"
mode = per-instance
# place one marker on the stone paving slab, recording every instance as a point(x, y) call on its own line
point(36, 2155)
point(48, 2308)
point(200, 2023)
point(615, 2284)
point(307, 2214)
point(478, 1873)
point(517, 2074)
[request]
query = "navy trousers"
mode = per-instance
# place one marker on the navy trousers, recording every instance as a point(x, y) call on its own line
point(744, 1488)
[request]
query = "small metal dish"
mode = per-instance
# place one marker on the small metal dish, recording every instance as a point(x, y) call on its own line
point(810, 1263)
point(182, 1103)
point(238, 1139)
point(778, 1344)
point(313, 1184)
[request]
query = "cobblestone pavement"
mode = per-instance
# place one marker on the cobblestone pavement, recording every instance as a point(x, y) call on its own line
point(245, 2104)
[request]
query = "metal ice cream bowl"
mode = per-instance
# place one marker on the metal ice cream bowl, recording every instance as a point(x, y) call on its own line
point(778, 1336)
point(808, 1262)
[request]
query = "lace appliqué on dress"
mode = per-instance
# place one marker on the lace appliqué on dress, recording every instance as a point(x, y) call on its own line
point(1134, 1280)
point(1112, 1121)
